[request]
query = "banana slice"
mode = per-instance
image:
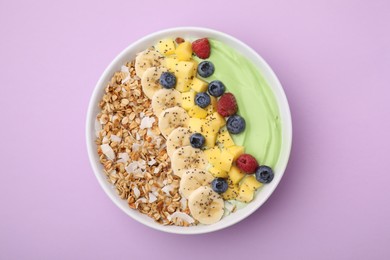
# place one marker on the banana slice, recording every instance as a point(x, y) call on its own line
point(165, 98)
point(172, 118)
point(188, 157)
point(191, 179)
point(150, 80)
point(178, 138)
point(147, 59)
point(206, 205)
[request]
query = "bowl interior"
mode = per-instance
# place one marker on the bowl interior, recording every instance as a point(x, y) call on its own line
point(190, 32)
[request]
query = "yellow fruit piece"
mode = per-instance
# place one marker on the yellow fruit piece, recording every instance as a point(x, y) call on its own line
point(188, 100)
point(166, 47)
point(195, 68)
point(213, 155)
point(225, 161)
point(184, 74)
point(236, 151)
point(210, 140)
point(184, 51)
point(245, 194)
point(232, 192)
point(183, 84)
point(197, 111)
point(171, 63)
point(199, 85)
point(251, 182)
point(225, 139)
point(185, 69)
point(210, 134)
point(195, 124)
point(216, 120)
point(217, 173)
point(213, 105)
point(235, 174)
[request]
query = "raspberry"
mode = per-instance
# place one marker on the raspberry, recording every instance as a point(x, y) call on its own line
point(201, 48)
point(247, 163)
point(227, 105)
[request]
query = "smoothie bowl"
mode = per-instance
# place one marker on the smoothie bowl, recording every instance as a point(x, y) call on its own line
point(188, 130)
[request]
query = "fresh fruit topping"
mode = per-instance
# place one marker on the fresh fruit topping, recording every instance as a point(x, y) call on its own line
point(188, 100)
point(206, 69)
point(187, 157)
point(201, 48)
point(167, 80)
point(198, 85)
point(227, 105)
point(150, 80)
point(197, 140)
point(179, 40)
point(172, 118)
point(184, 51)
point(191, 179)
point(197, 112)
point(235, 124)
point(184, 71)
point(236, 151)
point(219, 185)
point(235, 174)
point(264, 174)
point(206, 205)
point(166, 47)
point(216, 88)
point(247, 163)
point(224, 138)
point(202, 99)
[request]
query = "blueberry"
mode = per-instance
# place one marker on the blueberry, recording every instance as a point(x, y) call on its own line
point(235, 124)
point(216, 88)
point(264, 174)
point(205, 69)
point(202, 99)
point(197, 140)
point(167, 80)
point(219, 185)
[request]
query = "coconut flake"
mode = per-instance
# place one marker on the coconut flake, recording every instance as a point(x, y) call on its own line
point(105, 140)
point(167, 188)
point(142, 164)
point(115, 138)
point(138, 201)
point(141, 115)
point(147, 122)
point(107, 151)
point(151, 162)
point(123, 157)
point(125, 69)
point(150, 133)
point(135, 147)
point(137, 136)
point(136, 191)
point(229, 206)
point(152, 197)
point(98, 127)
point(182, 216)
point(156, 170)
point(183, 203)
point(134, 167)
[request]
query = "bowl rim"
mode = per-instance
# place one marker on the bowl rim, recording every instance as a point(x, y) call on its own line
point(282, 103)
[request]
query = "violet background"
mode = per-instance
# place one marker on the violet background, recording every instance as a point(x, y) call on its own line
point(333, 59)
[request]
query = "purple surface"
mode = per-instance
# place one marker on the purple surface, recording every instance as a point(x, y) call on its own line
point(333, 59)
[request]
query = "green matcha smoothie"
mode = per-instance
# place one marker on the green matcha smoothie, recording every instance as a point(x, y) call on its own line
point(256, 103)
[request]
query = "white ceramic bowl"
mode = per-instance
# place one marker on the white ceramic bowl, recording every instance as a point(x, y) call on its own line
point(190, 32)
